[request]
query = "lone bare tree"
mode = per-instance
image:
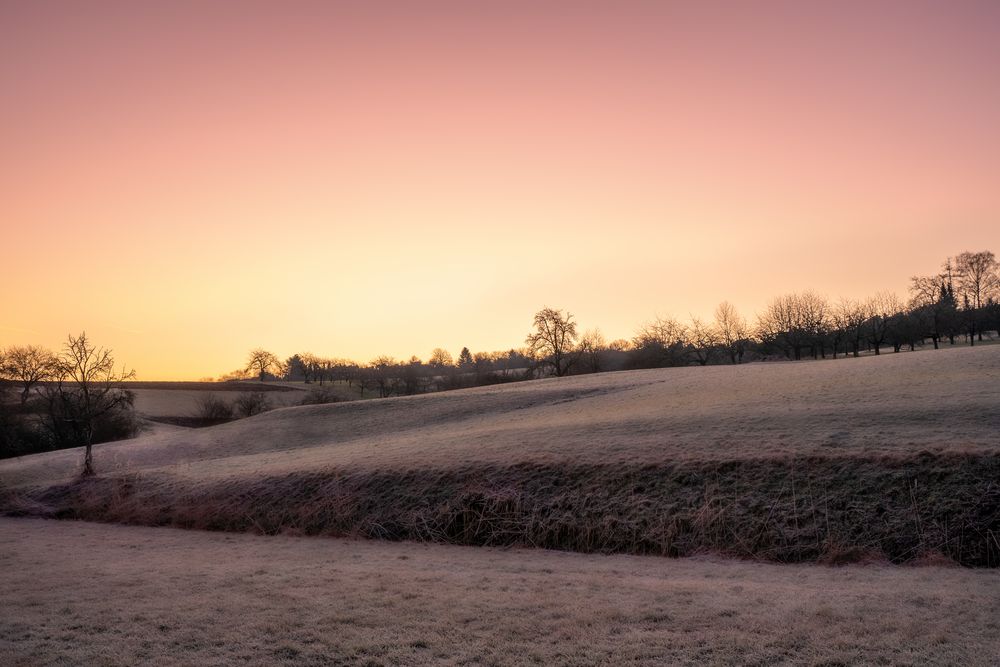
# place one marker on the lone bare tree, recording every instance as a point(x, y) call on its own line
point(553, 341)
point(27, 366)
point(86, 388)
point(262, 362)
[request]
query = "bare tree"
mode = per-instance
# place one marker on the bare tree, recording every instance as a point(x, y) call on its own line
point(814, 317)
point(793, 322)
point(27, 366)
point(383, 373)
point(440, 358)
point(553, 341)
point(593, 349)
point(881, 310)
point(703, 339)
point(851, 315)
point(733, 331)
point(86, 388)
point(978, 276)
point(261, 362)
point(933, 301)
point(978, 280)
point(660, 342)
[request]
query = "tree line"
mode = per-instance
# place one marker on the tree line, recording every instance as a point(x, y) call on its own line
point(959, 303)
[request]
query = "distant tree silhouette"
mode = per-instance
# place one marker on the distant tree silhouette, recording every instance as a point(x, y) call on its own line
point(658, 343)
point(593, 350)
point(412, 376)
point(978, 279)
point(793, 323)
point(881, 311)
point(261, 362)
point(733, 331)
point(27, 366)
point(383, 370)
point(441, 358)
point(703, 339)
point(933, 300)
point(295, 368)
point(553, 341)
point(465, 360)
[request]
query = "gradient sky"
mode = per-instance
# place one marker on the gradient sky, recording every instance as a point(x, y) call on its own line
point(186, 181)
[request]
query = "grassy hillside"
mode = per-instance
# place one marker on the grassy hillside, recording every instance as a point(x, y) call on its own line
point(895, 455)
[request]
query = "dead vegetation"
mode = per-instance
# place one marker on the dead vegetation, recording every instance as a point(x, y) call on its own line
point(804, 510)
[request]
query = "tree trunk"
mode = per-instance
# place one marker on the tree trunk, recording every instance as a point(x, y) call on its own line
point(88, 462)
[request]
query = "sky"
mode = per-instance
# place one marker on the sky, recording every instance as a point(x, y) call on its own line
point(189, 180)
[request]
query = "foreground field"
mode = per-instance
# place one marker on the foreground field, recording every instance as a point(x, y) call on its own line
point(87, 593)
point(893, 456)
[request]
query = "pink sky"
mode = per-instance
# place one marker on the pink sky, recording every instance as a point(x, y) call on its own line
point(189, 180)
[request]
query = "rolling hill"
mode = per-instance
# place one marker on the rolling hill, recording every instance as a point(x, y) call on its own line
point(895, 455)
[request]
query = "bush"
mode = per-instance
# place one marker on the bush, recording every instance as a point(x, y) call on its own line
point(320, 396)
point(250, 403)
point(210, 409)
point(19, 432)
point(119, 424)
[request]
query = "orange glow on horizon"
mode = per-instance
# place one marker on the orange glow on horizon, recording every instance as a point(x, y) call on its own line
point(188, 181)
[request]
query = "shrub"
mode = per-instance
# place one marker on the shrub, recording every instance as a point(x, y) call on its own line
point(19, 432)
point(118, 424)
point(250, 403)
point(320, 396)
point(209, 408)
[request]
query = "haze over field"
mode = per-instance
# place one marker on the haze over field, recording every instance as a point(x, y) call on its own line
point(239, 174)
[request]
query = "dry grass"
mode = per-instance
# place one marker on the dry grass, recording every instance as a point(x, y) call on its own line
point(896, 455)
point(78, 593)
point(787, 510)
